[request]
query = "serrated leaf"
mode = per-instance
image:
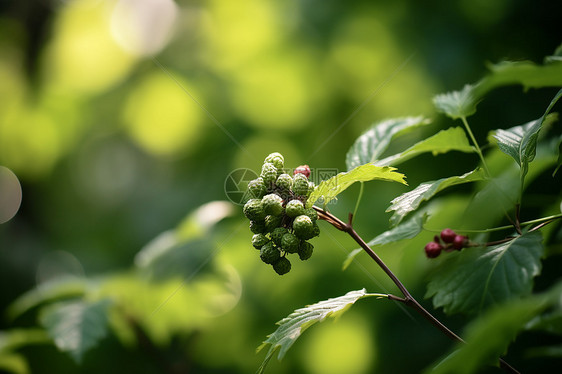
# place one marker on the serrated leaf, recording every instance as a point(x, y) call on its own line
point(58, 288)
point(77, 326)
point(452, 139)
point(410, 201)
point(371, 144)
point(329, 189)
point(291, 327)
point(457, 104)
point(479, 277)
point(407, 230)
point(520, 142)
point(488, 337)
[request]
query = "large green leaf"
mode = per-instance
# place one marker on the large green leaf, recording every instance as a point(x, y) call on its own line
point(371, 144)
point(329, 189)
point(56, 289)
point(291, 327)
point(76, 326)
point(458, 104)
point(488, 337)
point(408, 230)
point(452, 139)
point(520, 142)
point(410, 201)
point(478, 277)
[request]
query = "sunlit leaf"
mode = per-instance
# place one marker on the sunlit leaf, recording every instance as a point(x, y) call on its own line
point(410, 201)
point(452, 139)
point(13, 363)
point(76, 327)
point(17, 338)
point(520, 142)
point(488, 337)
point(457, 104)
point(371, 144)
point(329, 189)
point(479, 277)
point(59, 288)
point(407, 230)
point(291, 327)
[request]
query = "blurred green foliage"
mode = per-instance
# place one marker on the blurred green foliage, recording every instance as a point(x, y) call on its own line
point(118, 129)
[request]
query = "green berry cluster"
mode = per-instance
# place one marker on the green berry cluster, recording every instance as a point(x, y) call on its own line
point(278, 218)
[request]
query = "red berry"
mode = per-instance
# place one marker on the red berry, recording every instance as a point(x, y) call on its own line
point(448, 235)
point(460, 242)
point(303, 169)
point(433, 249)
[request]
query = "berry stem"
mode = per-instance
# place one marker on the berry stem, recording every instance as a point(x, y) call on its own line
point(543, 221)
point(476, 146)
point(408, 299)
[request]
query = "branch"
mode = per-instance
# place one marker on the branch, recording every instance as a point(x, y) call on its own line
point(408, 299)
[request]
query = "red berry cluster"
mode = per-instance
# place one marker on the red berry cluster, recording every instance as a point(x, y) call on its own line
point(448, 241)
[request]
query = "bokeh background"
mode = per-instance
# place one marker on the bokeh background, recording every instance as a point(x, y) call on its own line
point(119, 118)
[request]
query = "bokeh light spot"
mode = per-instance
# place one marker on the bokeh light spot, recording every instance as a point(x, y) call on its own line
point(10, 194)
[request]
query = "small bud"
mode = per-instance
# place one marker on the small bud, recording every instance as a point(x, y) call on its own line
point(433, 249)
point(253, 210)
point(303, 227)
point(257, 188)
point(269, 173)
point(277, 234)
point(276, 159)
point(303, 169)
point(290, 243)
point(269, 253)
point(272, 222)
point(272, 204)
point(294, 208)
point(259, 240)
point(284, 182)
point(300, 185)
point(257, 227)
point(448, 235)
point(305, 250)
point(282, 266)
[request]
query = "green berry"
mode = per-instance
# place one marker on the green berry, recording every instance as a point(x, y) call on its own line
point(276, 159)
point(315, 230)
point(303, 227)
point(253, 210)
point(257, 188)
point(277, 234)
point(259, 240)
point(269, 253)
point(305, 250)
point(290, 243)
point(257, 227)
point(311, 187)
point(294, 208)
point(284, 182)
point(312, 214)
point(268, 173)
point(272, 204)
point(300, 185)
point(282, 266)
point(272, 222)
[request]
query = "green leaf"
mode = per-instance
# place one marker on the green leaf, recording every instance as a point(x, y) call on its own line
point(59, 288)
point(76, 326)
point(452, 139)
point(329, 189)
point(488, 337)
point(17, 338)
point(457, 104)
point(407, 230)
point(475, 278)
point(410, 201)
point(372, 143)
point(13, 363)
point(520, 142)
point(559, 161)
point(291, 327)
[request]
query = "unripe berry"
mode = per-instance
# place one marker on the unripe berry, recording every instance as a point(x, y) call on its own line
point(276, 159)
point(448, 235)
point(268, 173)
point(257, 227)
point(277, 234)
point(300, 185)
point(315, 229)
point(282, 266)
point(259, 240)
point(269, 253)
point(284, 182)
point(272, 222)
point(310, 212)
point(257, 188)
point(303, 169)
point(433, 249)
point(272, 204)
point(294, 208)
point(305, 250)
point(460, 242)
point(290, 243)
point(253, 210)
point(303, 227)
